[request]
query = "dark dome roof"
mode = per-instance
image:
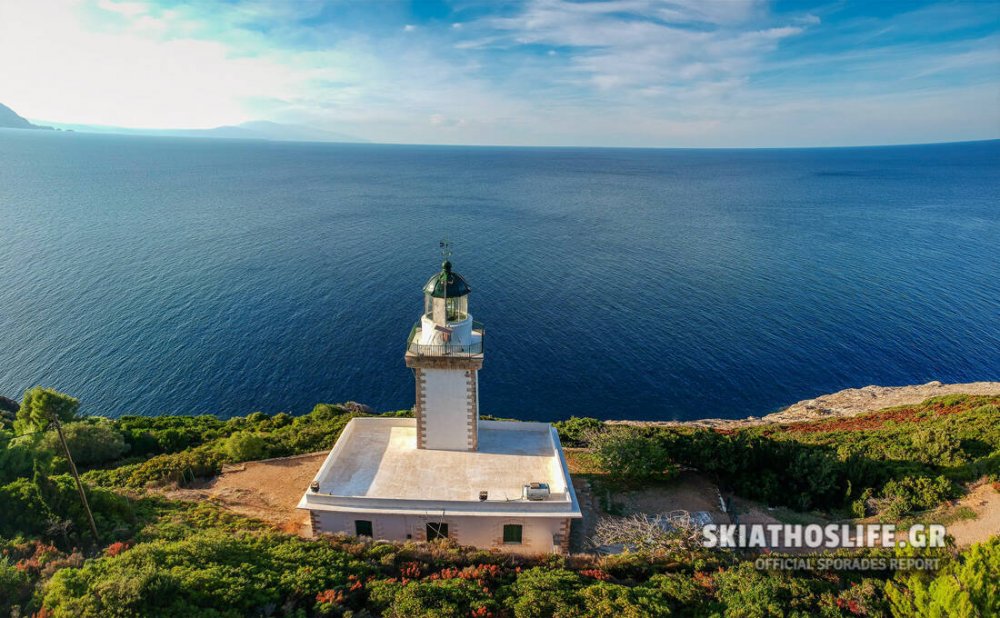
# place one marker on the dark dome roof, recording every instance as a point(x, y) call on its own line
point(456, 285)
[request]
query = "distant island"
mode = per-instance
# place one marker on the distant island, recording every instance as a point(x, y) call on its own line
point(255, 129)
point(9, 119)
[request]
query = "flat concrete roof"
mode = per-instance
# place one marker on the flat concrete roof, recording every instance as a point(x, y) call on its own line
point(376, 463)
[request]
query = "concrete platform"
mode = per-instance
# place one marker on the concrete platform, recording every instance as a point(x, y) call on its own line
point(380, 460)
point(376, 465)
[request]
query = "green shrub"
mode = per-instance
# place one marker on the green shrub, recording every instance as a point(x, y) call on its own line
point(180, 468)
point(966, 587)
point(18, 455)
point(207, 573)
point(447, 598)
point(746, 592)
point(576, 431)
point(542, 593)
point(89, 442)
point(631, 453)
point(22, 510)
point(245, 446)
point(913, 494)
point(326, 411)
point(15, 585)
point(859, 508)
point(937, 446)
point(44, 505)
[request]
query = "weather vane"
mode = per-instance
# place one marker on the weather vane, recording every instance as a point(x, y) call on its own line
point(446, 248)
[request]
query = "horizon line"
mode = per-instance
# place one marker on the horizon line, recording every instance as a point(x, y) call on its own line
point(137, 132)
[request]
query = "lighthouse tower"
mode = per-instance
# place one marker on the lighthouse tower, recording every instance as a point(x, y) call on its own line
point(445, 351)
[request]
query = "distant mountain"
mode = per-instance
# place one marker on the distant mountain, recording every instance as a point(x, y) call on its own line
point(10, 120)
point(259, 129)
point(262, 129)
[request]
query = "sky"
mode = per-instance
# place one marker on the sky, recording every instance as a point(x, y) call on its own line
point(647, 73)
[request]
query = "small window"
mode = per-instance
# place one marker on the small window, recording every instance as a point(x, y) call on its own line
point(512, 534)
point(437, 530)
point(363, 527)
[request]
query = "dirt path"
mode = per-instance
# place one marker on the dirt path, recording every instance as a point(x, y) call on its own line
point(984, 500)
point(268, 490)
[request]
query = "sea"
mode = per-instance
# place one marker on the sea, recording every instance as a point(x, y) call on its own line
point(154, 275)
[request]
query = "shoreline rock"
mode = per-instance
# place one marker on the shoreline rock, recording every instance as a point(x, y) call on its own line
point(845, 403)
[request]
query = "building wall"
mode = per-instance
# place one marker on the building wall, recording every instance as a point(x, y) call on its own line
point(484, 532)
point(449, 408)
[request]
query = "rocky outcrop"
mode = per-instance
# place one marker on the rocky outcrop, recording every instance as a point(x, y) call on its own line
point(9, 405)
point(357, 408)
point(8, 409)
point(848, 402)
point(854, 401)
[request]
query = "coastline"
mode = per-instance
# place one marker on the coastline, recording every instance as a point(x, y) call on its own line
point(841, 404)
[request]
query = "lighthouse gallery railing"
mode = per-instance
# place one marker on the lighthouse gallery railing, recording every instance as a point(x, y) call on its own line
point(446, 349)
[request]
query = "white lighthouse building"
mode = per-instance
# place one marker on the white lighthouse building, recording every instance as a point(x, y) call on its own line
point(445, 351)
point(446, 473)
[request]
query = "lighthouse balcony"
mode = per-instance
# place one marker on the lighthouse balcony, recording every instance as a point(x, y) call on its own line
point(437, 343)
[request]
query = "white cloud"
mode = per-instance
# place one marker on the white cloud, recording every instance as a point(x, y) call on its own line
point(613, 72)
point(56, 68)
point(643, 46)
point(128, 9)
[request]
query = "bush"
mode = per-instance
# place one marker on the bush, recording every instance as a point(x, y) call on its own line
point(968, 586)
point(630, 453)
point(912, 494)
point(937, 446)
point(745, 591)
point(50, 507)
point(576, 431)
point(245, 446)
point(171, 468)
point(169, 434)
point(541, 593)
point(18, 455)
point(326, 411)
point(22, 510)
point(15, 585)
point(88, 442)
point(859, 508)
point(443, 598)
point(207, 573)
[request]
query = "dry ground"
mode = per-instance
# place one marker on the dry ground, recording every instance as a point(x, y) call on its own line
point(983, 499)
point(267, 490)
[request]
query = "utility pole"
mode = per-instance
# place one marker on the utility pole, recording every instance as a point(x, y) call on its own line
point(76, 475)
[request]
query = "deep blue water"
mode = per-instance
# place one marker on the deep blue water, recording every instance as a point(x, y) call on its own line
point(157, 275)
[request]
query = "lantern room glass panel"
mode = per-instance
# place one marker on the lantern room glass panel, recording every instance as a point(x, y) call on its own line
point(457, 308)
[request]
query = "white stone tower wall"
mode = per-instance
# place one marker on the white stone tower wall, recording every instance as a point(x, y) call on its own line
point(448, 409)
